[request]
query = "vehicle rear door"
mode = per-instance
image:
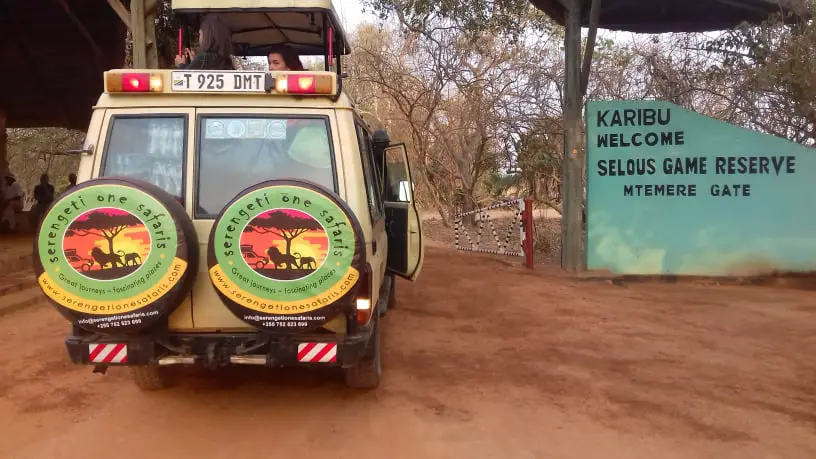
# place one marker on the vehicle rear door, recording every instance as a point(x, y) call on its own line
point(151, 145)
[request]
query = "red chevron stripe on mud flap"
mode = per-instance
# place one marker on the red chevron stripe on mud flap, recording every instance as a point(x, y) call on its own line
point(317, 352)
point(107, 353)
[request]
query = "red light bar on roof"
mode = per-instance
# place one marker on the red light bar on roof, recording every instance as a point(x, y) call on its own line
point(304, 83)
point(133, 82)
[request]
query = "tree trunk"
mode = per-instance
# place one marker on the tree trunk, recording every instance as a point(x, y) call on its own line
point(288, 246)
point(110, 244)
point(470, 205)
point(442, 216)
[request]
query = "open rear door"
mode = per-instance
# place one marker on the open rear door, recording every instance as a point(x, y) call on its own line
point(405, 245)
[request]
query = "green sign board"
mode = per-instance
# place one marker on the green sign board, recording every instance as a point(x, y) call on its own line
point(670, 191)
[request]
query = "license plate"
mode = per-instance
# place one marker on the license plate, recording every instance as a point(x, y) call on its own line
point(218, 81)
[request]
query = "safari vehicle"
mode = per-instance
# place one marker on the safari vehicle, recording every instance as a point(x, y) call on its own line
point(233, 217)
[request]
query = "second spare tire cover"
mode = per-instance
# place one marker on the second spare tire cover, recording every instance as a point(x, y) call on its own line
point(115, 254)
point(285, 255)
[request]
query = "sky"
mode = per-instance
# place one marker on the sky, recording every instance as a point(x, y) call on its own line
point(351, 14)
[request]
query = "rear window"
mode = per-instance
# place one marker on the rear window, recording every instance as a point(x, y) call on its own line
point(148, 148)
point(237, 152)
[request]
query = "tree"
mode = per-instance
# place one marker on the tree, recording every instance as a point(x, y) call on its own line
point(103, 224)
point(473, 17)
point(34, 151)
point(284, 225)
point(459, 105)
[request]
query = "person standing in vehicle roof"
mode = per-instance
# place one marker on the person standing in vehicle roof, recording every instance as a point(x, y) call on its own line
point(282, 57)
point(215, 47)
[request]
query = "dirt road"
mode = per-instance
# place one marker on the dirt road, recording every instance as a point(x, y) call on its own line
point(533, 367)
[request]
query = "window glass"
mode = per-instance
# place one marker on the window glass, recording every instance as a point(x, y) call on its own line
point(375, 205)
point(236, 153)
point(398, 188)
point(149, 149)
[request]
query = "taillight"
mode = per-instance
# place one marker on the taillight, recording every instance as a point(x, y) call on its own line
point(363, 298)
point(304, 83)
point(133, 82)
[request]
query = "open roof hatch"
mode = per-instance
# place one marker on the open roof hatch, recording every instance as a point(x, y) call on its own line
point(310, 27)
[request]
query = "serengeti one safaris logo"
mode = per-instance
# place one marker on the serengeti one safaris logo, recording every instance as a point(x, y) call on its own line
point(106, 243)
point(108, 249)
point(292, 244)
point(284, 249)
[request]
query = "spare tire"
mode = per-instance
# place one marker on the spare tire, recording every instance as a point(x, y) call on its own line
point(286, 255)
point(115, 254)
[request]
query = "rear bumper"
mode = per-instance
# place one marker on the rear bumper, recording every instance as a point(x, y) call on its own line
point(217, 350)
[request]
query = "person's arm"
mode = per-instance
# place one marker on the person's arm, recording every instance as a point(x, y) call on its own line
point(199, 62)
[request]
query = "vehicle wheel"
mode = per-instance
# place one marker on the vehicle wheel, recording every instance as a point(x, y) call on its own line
point(366, 373)
point(86, 267)
point(392, 295)
point(150, 377)
point(259, 264)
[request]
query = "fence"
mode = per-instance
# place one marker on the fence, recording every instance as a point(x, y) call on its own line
point(522, 221)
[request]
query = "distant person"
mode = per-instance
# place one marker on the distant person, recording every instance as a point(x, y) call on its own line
point(215, 47)
point(44, 196)
point(12, 203)
point(283, 58)
point(72, 178)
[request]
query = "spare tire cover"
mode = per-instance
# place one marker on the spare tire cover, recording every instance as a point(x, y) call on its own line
point(286, 255)
point(115, 254)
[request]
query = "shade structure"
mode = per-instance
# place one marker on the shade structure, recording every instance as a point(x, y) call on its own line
point(660, 16)
point(52, 55)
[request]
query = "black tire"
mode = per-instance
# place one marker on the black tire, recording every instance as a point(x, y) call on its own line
point(367, 372)
point(269, 296)
point(109, 293)
point(150, 377)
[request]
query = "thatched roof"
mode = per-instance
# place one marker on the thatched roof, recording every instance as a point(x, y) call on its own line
point(52, 59)
point(658, 16)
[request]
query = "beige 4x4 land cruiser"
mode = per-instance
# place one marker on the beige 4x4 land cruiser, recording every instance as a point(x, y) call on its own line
point(233, 217)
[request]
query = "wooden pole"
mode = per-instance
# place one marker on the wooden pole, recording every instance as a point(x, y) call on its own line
point(572, 169)
point(137, 31)
point(592, 35)
point(151, 50)
point(4, 165)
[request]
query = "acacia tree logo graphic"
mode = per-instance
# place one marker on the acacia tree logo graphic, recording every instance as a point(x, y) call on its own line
point(105, 224)
point(268, 259)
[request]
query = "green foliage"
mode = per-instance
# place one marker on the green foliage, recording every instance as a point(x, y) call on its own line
point(498, 185)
